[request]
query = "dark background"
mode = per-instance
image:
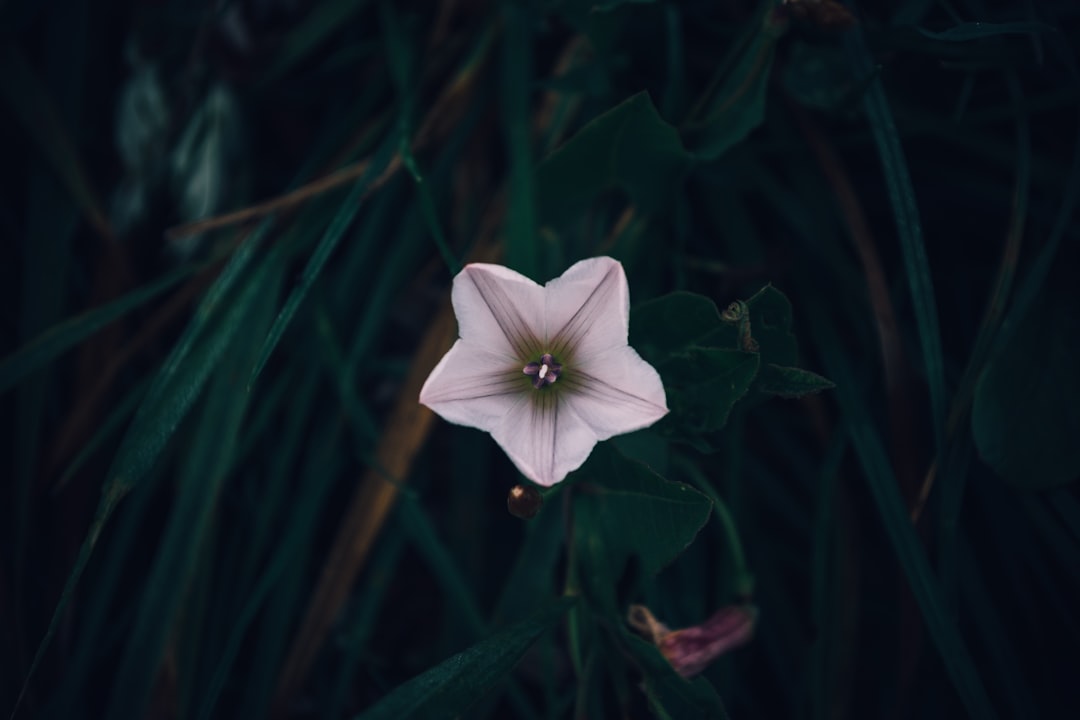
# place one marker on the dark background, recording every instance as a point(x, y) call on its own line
point(909, 185)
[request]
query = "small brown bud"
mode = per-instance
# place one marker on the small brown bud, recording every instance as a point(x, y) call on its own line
point(524, 501)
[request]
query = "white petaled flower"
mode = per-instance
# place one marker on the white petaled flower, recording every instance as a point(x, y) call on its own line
point(545, 369)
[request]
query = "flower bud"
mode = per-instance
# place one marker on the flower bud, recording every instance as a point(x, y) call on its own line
point(691, 649)
point(524, 501)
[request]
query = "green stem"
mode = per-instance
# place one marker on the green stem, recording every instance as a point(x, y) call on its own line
point(572, 588)
point(744, 580)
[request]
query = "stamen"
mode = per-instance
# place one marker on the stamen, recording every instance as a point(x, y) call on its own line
point(544, 372)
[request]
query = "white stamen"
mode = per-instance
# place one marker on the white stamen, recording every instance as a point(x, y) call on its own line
point(543, 371)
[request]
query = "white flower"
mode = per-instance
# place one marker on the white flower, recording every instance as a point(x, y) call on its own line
point(545, 370)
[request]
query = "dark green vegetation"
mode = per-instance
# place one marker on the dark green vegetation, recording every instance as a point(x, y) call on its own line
point(222, 500)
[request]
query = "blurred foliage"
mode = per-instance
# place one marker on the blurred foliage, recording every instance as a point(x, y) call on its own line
point(230, 232)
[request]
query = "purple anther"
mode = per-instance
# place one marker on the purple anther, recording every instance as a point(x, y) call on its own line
point(544, 372)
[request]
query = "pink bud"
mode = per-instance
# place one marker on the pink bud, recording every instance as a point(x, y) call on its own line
point(691, 649)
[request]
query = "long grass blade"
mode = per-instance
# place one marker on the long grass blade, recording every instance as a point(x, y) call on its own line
point(334, 233)
point(909, 228)
point(59, 338)
point(905, 542)
point(207, 465)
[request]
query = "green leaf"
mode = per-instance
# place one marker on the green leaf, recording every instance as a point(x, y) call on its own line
point(737, 105)
point(770, 326)
point(789, 382)
point(448, 689)
point(626, 511)
point(965, 32)
point(1026, 412)
point(672, 323)
point(628, 147)
point(702, 386)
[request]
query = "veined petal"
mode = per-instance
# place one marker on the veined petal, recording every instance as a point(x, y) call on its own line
point(499, 309)
point(544, 437)
point(588, 308)
point(615, 392)
point(471, 386)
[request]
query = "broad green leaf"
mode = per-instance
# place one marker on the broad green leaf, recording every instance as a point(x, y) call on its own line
point(450, 688)
point(770, 326)
point(647, 447)
point(672, 323)
point(737, 106)
point(789, 382)
point(1026, 412)
point(623, 511)
point(628, 147)
point(703, 385)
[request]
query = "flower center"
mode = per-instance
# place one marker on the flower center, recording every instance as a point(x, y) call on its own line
point(544, 372)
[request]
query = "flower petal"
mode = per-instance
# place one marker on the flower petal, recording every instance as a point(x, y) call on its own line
point(544, 437)
point(499, 309)
point(588, 308)
point(471, 386)
point(615, 392)
point(691, 649)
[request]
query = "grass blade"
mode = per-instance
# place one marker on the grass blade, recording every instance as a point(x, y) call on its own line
point(167, 401)
point(522, 250)
point(207, 465)
point(72, 331)
point(338, 226)
point(905, 542)
point(450, 688)
point(906, 213)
